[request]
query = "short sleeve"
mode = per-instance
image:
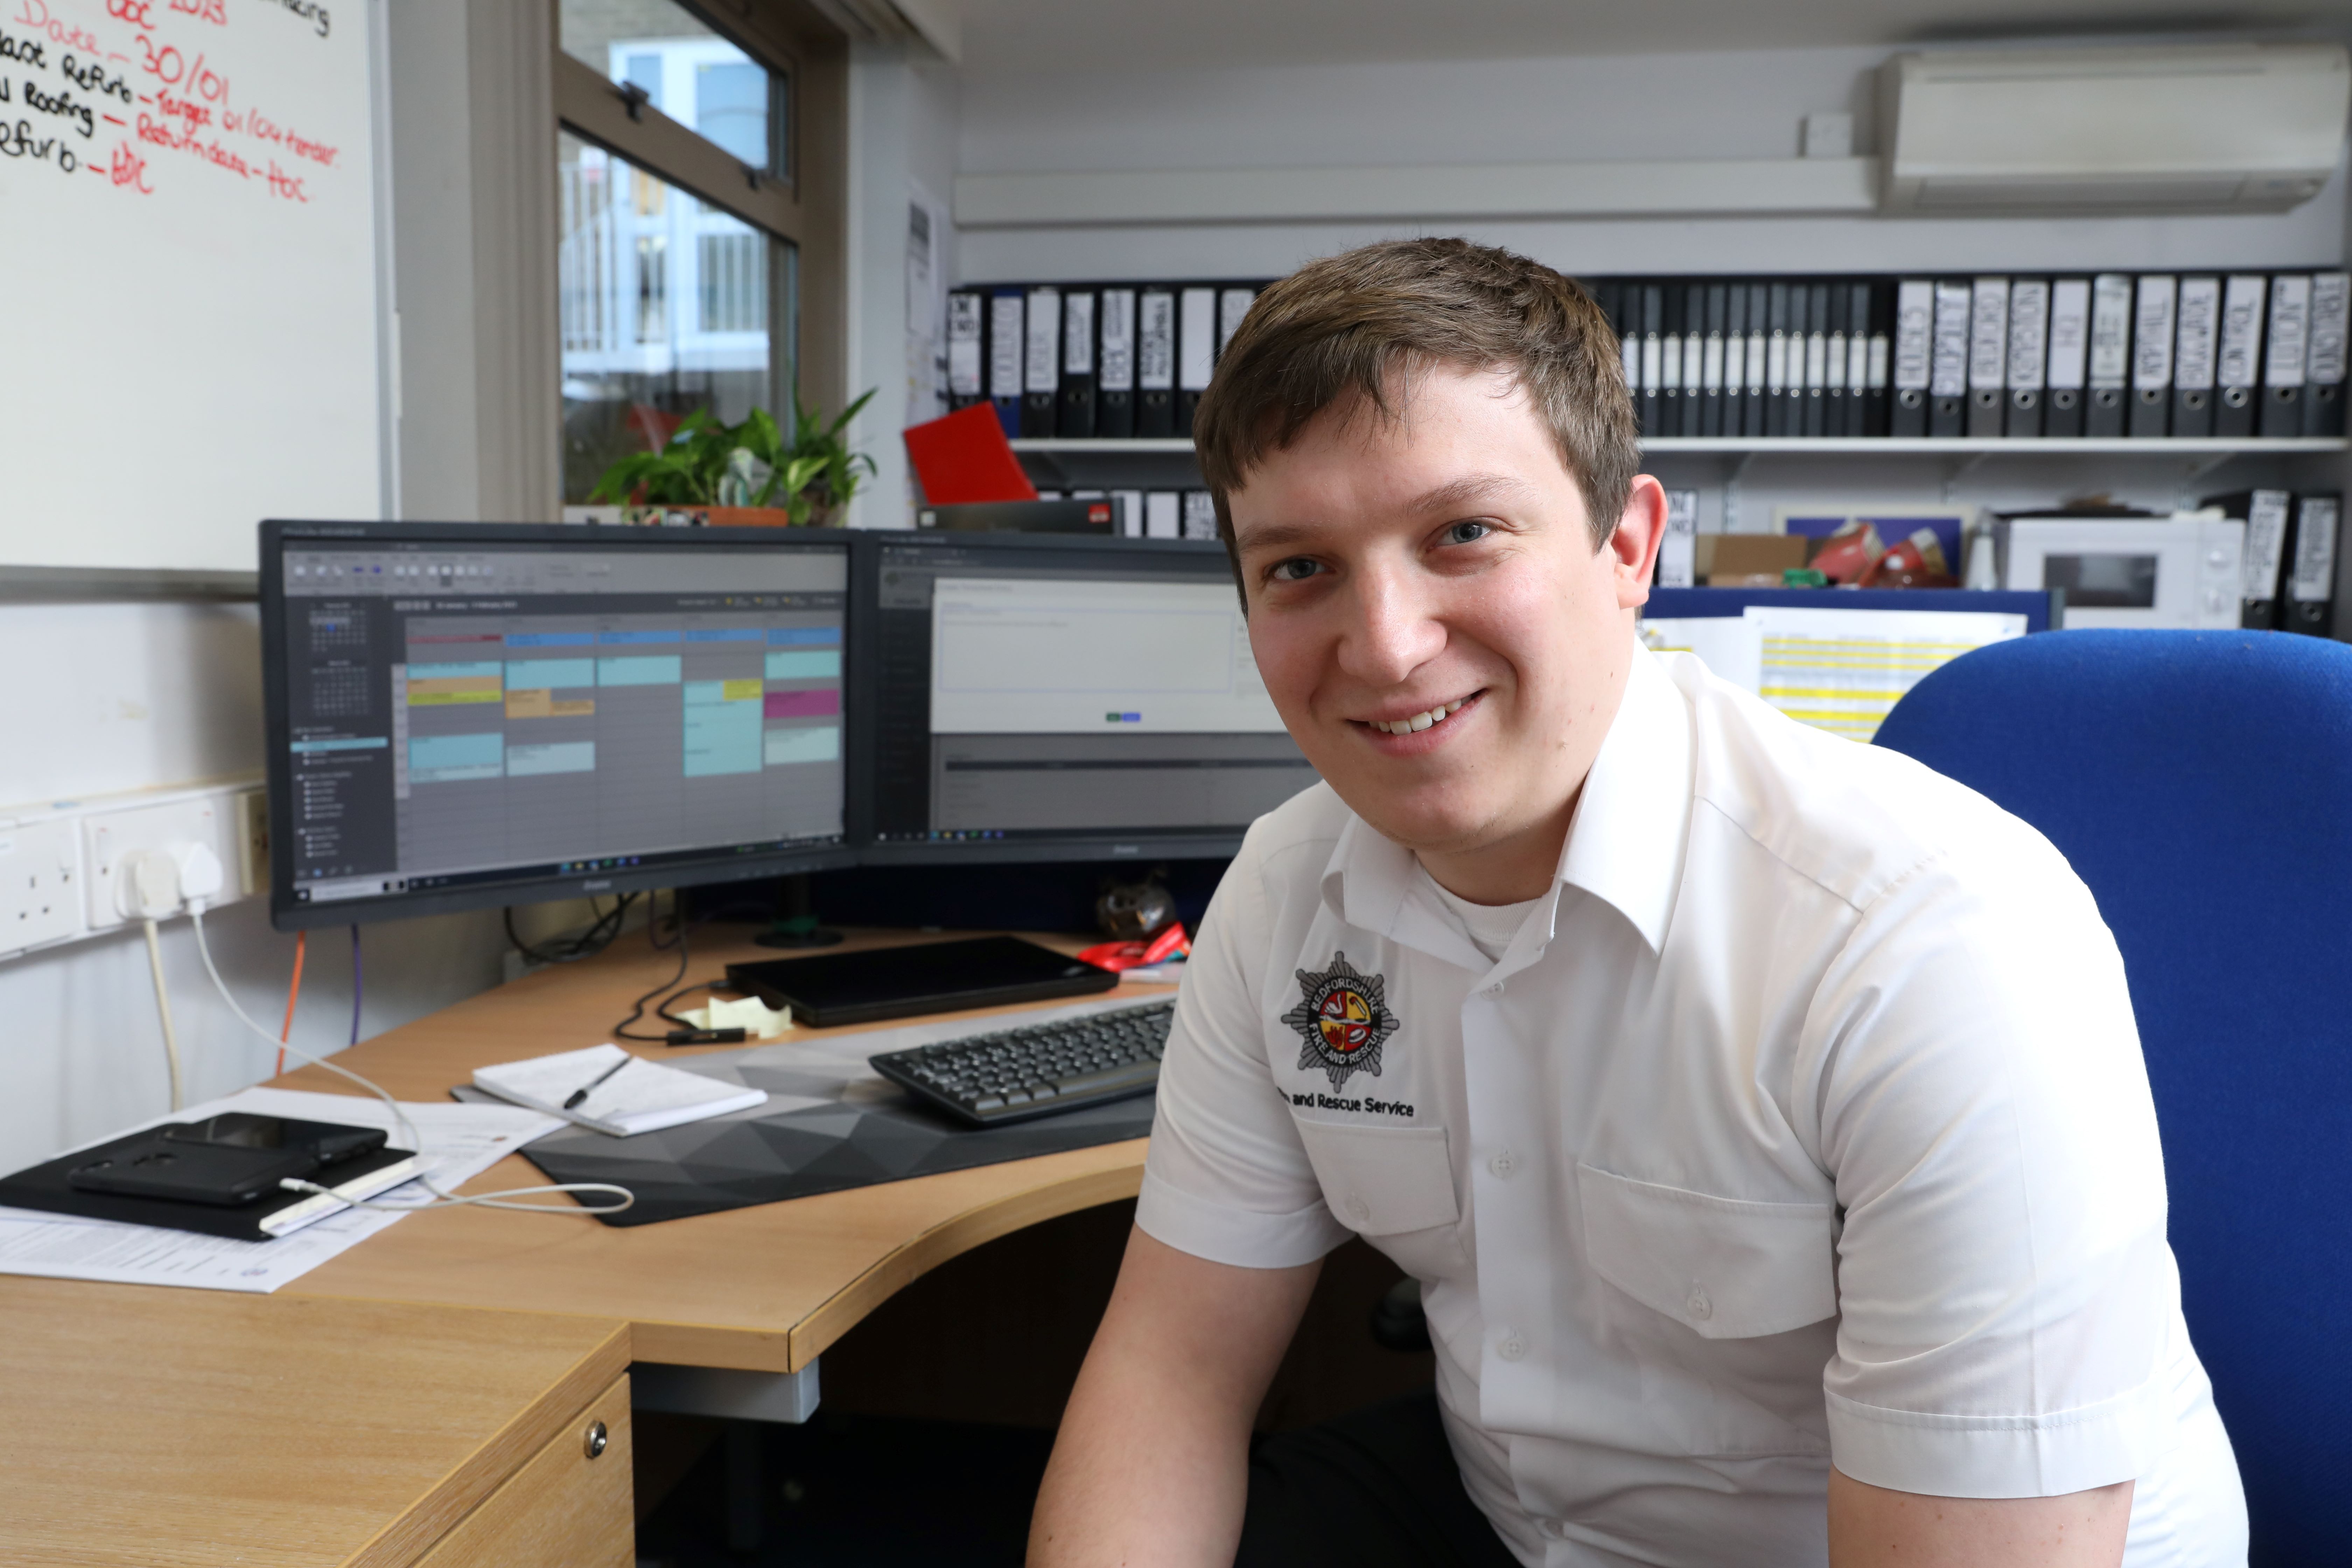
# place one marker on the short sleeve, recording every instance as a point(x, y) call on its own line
point(1227, 1178)
point(2007, 1298)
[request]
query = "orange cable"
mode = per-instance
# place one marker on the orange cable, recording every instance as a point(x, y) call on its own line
point(292, 990)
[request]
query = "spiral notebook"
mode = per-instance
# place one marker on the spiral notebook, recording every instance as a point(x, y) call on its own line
point(640, 1096)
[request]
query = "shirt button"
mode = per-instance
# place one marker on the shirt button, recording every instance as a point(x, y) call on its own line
point(1698, 1306)
point(1511, 1347)
point(1359, 1210)
point(1503, 1163)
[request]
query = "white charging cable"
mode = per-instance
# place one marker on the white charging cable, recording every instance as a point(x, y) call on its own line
point(200, 878)
point(147, 892)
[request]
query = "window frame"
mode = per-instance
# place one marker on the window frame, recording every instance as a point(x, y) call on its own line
point(799, 203)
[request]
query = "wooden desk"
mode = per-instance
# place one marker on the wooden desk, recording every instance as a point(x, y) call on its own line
point(419, 1402)
point(148, 1425)
point(760, 1289)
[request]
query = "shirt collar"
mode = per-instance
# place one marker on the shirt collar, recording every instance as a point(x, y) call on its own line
point(1624, 846)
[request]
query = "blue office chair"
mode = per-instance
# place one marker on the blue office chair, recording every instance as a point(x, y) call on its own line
point(2202, 784)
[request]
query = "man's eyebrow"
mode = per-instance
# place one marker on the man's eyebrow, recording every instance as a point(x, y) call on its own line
point(1272, 535)
point(1461, 495)
point(1467, 492)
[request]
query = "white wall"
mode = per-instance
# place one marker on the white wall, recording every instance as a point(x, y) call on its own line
point(902, 115)
point(1502, 111)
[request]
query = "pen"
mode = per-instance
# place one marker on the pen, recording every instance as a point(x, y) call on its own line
point(582, 1092)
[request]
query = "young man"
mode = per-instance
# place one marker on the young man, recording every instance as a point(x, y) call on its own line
point(1761, 1114)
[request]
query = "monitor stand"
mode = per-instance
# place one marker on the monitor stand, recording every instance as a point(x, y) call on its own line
point(796, 919)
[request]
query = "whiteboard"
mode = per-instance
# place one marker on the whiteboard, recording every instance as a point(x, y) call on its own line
point(188, 278)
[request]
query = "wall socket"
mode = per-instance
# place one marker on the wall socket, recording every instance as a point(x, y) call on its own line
point(60, 860)
point(40, 868)
point(109, 836)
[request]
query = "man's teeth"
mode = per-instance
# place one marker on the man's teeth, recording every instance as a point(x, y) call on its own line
point(1418, 721)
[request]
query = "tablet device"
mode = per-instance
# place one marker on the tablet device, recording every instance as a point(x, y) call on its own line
point(930, 977)
point(224, 1175)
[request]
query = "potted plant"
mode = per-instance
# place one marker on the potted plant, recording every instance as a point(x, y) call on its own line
point(748, 473)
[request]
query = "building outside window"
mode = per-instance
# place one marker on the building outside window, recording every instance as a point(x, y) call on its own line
point(668, 301)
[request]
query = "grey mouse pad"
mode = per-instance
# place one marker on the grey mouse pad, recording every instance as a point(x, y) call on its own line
point(830, 1123)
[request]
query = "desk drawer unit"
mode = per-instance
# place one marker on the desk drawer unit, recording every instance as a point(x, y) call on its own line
point(569, 1507)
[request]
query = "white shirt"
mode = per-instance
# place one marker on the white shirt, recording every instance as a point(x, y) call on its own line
point(1804, 1121)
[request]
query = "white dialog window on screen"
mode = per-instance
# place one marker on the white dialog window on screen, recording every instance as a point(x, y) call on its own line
point(1023, 656)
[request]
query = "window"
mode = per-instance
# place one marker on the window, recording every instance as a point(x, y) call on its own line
point(676, 265)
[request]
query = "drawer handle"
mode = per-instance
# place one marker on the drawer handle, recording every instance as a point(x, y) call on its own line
point(598, 1440)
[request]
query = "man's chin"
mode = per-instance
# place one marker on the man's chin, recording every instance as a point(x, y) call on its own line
point(1425, 826)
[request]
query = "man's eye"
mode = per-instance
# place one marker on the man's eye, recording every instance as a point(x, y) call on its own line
point(1468, 533)
point(1297, 570)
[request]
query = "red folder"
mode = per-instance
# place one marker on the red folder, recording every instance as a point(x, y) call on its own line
point(965, 458)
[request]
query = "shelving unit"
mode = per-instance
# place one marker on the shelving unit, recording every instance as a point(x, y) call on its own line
point(2179, 468)
point(1873, 446)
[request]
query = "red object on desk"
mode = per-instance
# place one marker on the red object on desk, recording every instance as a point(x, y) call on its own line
point(1118, 955)
point(965, 458)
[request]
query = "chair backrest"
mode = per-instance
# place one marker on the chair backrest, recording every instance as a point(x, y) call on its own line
point(2200, 783)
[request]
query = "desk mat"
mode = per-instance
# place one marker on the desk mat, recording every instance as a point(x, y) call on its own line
point(831, 1124)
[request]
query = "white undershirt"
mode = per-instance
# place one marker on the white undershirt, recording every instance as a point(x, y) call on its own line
point(1489, 926)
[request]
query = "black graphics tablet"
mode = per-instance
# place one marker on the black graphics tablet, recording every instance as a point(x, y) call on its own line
point(930, 977)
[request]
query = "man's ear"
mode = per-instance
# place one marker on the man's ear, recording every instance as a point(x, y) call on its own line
point(1641, 528)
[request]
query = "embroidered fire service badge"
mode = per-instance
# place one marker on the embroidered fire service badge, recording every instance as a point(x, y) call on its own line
point(1343, 1016)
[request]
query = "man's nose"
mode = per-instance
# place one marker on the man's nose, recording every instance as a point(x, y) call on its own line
point(1395, 629)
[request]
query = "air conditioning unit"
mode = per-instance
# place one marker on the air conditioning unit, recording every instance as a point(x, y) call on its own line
point(2229, 128)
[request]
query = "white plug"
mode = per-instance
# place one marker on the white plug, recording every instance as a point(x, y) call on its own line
point(149, 885)
point(200, 875)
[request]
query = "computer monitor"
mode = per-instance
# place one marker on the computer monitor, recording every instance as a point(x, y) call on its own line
point(1034, 697)
point(462, 715)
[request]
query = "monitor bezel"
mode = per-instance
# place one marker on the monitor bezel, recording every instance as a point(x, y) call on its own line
point(1141, 846)
point(287, 913)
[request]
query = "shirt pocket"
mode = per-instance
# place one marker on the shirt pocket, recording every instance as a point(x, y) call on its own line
point(1382, 1181)
point(1726, 1268)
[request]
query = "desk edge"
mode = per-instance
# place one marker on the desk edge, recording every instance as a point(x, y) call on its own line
point(481, 1473)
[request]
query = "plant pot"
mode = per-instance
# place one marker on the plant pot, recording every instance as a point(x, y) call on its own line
point(747, 517)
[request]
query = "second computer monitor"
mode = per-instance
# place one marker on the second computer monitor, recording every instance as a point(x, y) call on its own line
point(1036, 697)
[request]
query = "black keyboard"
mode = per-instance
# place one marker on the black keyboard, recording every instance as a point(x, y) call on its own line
point(1019, 1075)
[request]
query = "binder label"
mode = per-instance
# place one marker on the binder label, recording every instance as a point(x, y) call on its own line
point(1915, 317)
point(1119, 340)
point(2029, 331)
point(963, 346)
point(2070, 329)
point(1948, 368)
point(2152, 334)
point(2331, 304)
point(2315, 551)
point(2200, 327)
point(1155, 363)
point(2265, 541)
point(2110, 329)
point(1989, 334)
point(1004, 345)
point(2290, 322)
point(1078, 334)
point(2241, 331)
point(1196, 343)
point(1043, 369)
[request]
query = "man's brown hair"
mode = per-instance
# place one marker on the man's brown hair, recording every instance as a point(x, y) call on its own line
point(1343, 328)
